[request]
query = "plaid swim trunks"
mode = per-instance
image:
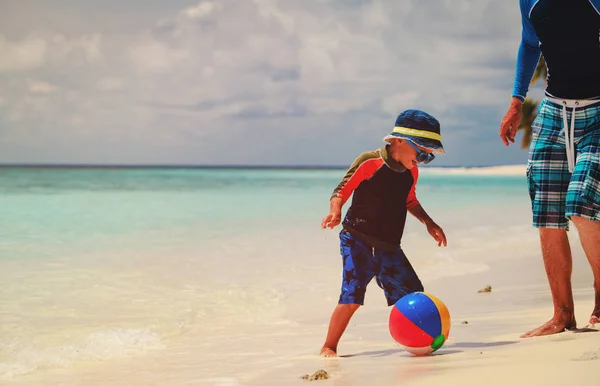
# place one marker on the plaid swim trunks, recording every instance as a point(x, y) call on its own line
point(556, 193)
point(361, 262)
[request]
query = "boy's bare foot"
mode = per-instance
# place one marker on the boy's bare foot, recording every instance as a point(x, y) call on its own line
point(328, 352)
point(553, 326)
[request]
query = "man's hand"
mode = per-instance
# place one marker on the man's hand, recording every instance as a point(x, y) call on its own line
point(511, 121)
point(332, 220)
point(437, 233)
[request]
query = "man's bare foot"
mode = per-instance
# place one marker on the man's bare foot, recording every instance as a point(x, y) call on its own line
point(553, 326)
point(328, 352)
point(595, 318)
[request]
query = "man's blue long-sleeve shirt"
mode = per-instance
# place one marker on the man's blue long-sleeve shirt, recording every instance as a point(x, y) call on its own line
point(568, 34)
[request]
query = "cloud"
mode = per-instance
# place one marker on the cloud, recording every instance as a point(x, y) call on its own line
point(22, 55)
point(109, 83)
point(201, 11)
point(87, 48)
point(154, 57)
point(36, 87)
point(34, 52)
point(328, 71)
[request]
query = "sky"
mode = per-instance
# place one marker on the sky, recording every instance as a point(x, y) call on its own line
point(251, 82)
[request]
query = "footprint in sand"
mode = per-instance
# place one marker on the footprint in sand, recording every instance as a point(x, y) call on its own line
point(589, 356)
point(561, 337)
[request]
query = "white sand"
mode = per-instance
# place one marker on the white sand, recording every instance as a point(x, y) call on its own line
point(486, 351)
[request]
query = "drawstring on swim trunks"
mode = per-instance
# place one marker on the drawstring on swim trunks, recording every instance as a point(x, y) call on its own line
point(570, 128)
point(569, 139)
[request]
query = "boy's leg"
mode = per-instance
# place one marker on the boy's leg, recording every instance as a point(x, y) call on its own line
point(337, 325)
point(396, 275)
point(358, 270)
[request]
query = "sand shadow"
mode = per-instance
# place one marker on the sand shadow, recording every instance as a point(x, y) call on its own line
point(483, 344)
point(450, 350)
point(384, 353)
point(446, 352)
point(582, 330)
point(376, 354)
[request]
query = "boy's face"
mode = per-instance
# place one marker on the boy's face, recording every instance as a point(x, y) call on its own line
point(403, 152)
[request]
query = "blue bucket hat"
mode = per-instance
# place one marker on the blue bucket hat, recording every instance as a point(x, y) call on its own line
point(420, 128)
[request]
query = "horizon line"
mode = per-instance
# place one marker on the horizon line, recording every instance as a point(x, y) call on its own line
point(210, 166)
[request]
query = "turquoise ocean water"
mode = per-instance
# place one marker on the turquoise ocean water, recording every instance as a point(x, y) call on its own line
point(101, 264)
point(49, 211)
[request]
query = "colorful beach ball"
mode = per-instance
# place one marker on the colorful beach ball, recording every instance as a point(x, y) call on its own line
point(420, 323)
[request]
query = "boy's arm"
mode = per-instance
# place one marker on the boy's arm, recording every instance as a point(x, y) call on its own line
point(420, 214)
point(414, 207)
point(434, 229)
point(362, 168)
point(334, 218)
point(412, 203)
point(411, 200)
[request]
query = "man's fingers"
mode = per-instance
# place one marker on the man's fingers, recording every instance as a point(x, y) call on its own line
point(507, 136)
point(512, 132)
point(504, 133)
point(508, 127)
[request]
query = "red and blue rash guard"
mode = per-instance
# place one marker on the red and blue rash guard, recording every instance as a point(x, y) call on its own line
point(567, 32)
point(383, 190)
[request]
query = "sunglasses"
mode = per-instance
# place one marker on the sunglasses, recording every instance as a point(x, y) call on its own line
point(421, 155)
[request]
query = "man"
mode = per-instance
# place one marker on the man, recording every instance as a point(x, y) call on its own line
point(563, 171)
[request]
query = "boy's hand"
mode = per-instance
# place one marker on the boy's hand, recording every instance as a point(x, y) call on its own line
point(437, 233)
point(332, 220)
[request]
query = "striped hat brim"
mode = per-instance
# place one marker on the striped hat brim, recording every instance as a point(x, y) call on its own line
point(423, 138)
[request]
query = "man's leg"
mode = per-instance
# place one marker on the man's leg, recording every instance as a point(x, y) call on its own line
point(589, 234)
point(583, 196)
point(556, 252)
point(548, 180)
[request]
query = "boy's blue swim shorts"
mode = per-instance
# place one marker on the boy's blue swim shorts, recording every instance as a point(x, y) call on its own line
point(361, 262)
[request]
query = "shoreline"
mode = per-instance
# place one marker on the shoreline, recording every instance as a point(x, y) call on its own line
point(509, 169)
point(503, 170)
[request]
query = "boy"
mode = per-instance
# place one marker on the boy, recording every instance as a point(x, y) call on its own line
point(383, 182)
